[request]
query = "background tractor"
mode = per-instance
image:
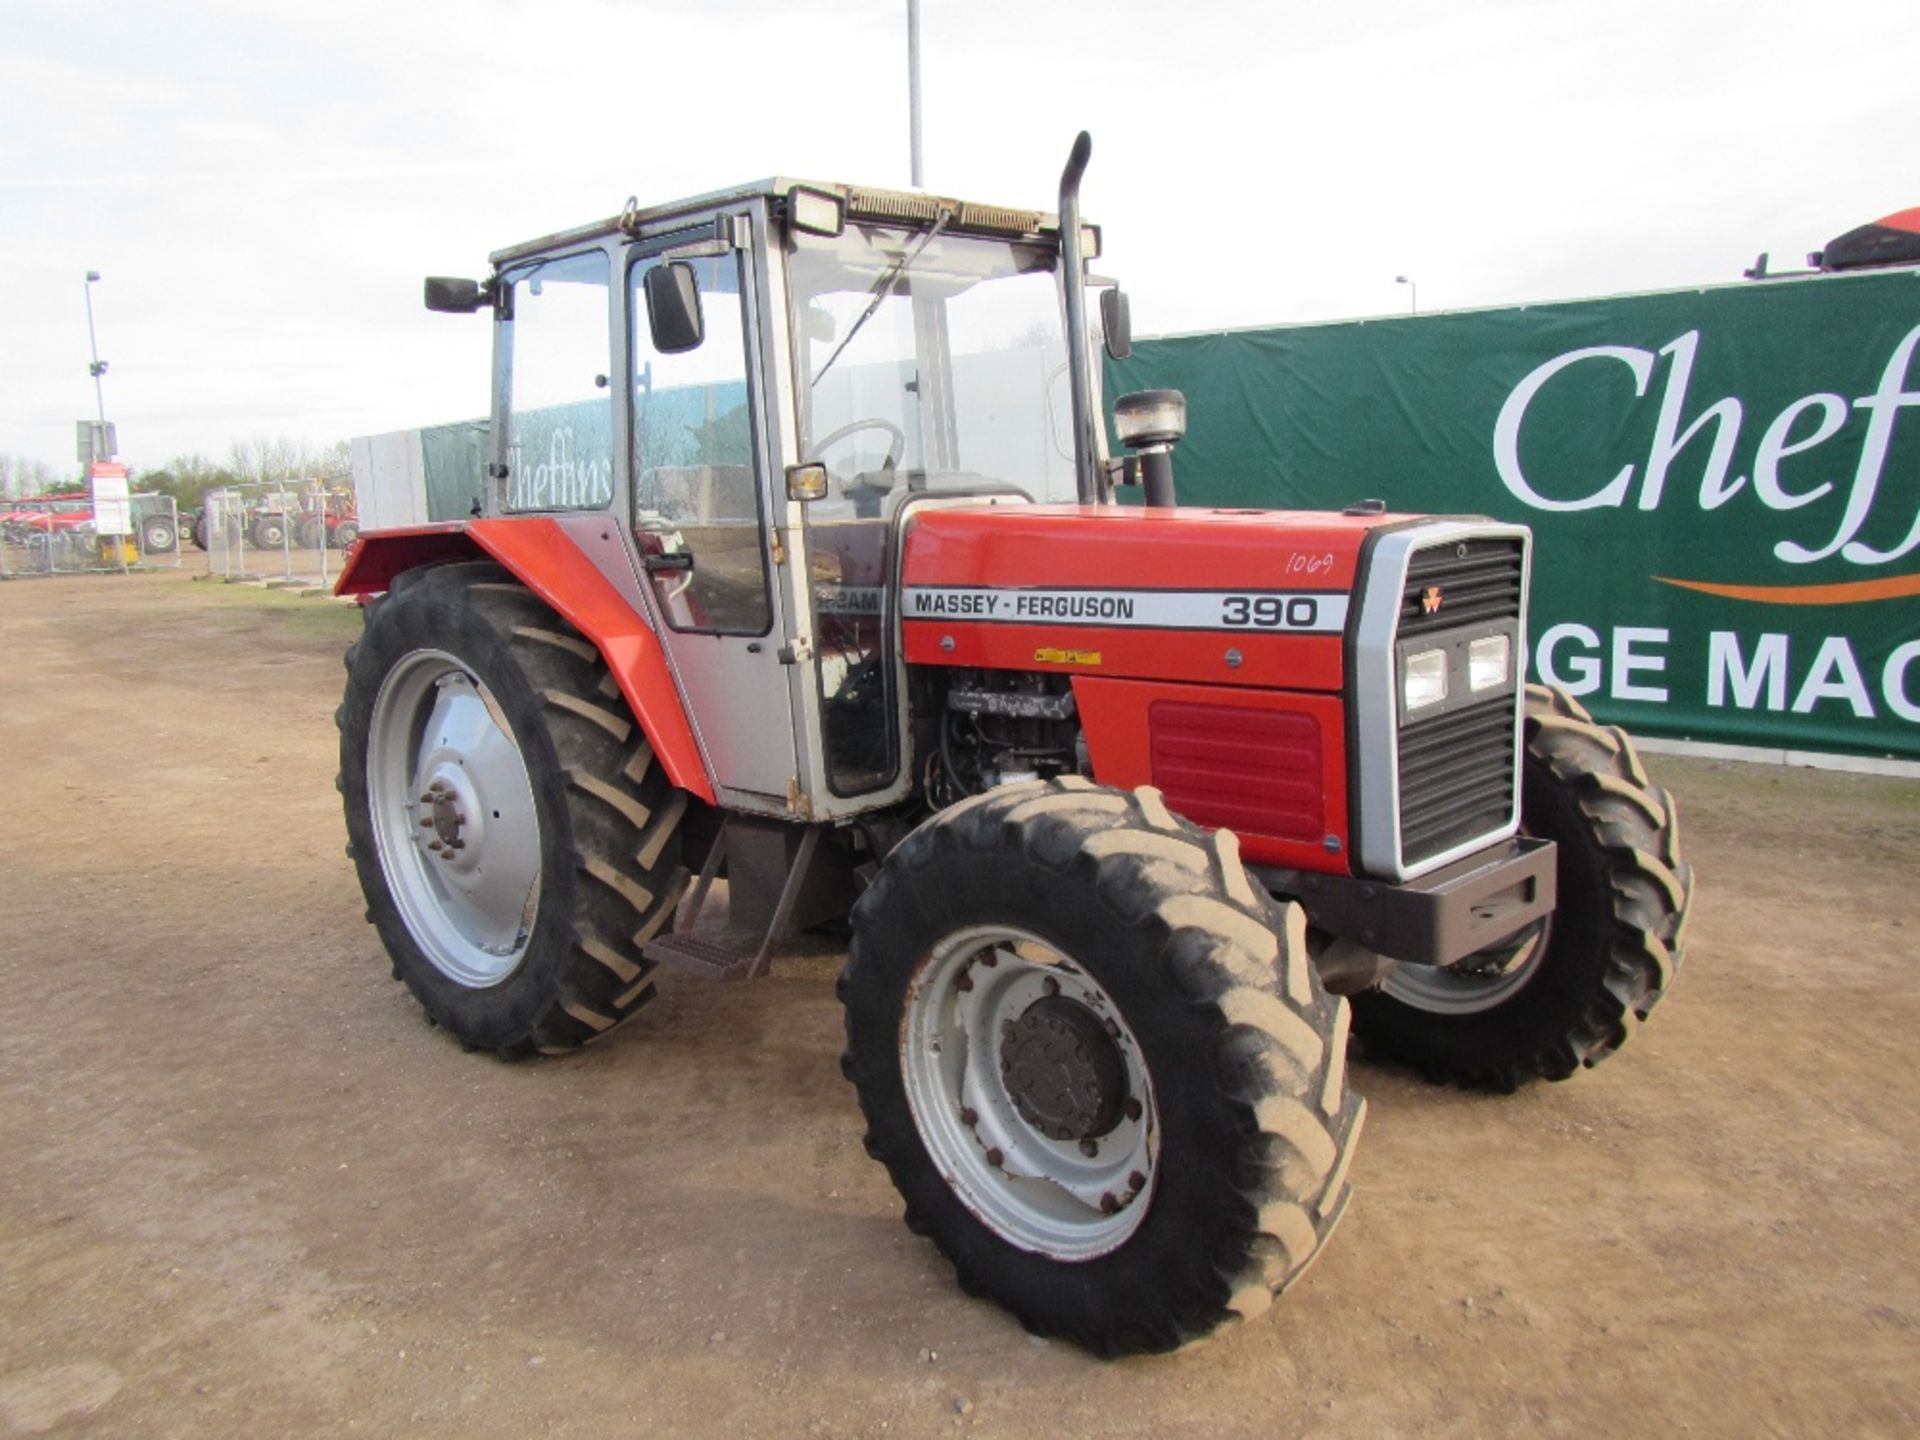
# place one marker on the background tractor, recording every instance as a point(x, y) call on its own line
point(799, 566)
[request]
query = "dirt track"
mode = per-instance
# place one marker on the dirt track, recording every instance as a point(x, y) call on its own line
point(245, 1191)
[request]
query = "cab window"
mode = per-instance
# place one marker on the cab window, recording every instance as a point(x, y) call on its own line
point(560, 410)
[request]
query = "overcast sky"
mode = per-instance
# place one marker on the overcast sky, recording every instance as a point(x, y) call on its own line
point(263, 185)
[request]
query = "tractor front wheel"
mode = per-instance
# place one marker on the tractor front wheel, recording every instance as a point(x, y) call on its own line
point(1095, 1060)
point(156, 535)
point(1569, 991)
point(516, 843)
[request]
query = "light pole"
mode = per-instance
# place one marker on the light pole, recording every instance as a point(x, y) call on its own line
point(1413, 300)
point(913, 89)
point(98, 367)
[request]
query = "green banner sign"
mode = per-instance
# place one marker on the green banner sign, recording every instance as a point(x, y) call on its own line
point(1724, 484)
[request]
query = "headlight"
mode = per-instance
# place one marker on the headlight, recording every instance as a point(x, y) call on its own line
point(1488, 660)
point(1424, 682)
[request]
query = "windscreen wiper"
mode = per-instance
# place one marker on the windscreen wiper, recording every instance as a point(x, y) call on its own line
point(883, 290)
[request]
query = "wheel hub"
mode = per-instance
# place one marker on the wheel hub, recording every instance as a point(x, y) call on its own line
point(455, 818)
point(451, 815)
point(1030, 1092)
point(1062, 1070)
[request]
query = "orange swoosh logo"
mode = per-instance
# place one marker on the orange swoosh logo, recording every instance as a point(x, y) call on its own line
point(1847, 592)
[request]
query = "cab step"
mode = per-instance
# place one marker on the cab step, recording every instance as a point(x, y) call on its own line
point(710, 957)
point(731, 955)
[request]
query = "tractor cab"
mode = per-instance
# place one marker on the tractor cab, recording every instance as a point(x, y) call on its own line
point(760, 384)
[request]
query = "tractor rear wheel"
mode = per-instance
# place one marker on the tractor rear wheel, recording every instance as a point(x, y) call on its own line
point(1573, 988)
point(1094, 1058)
point(516, 843)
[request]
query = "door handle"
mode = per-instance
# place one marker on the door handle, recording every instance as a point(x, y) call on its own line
point(657, 564)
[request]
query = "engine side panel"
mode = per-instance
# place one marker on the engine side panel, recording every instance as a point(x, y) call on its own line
point(1271, 765)
point(545, 559)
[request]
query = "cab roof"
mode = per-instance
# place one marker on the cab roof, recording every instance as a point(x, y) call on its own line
point(861, 202)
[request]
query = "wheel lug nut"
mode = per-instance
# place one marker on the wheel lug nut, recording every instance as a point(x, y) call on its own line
point(1133, 1110)
point(1136, 1182)
point(965, 982)
point(969, 1116)
point(994, 1157)
point(1108, 1204)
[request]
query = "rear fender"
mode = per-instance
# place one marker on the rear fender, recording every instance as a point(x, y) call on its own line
point(542, 557)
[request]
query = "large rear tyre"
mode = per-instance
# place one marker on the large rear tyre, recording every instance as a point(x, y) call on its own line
point(1096, 1063)
point(1571, 990)
point(516, 843)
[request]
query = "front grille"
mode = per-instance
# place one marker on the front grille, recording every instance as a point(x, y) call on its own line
point(1457, 767)
point(1456, 778)
point(1467, 582)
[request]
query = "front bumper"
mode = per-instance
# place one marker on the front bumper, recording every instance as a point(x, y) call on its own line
point(1437, 918)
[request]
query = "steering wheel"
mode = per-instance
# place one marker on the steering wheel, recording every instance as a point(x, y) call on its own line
point(896, 439)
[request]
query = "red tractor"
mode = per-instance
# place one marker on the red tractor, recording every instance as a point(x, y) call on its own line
point(799, 566)
point(329, 517)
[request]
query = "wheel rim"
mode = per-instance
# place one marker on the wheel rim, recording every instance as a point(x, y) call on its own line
point(1479, 982)
point(454, 819)
point(1030, 1093)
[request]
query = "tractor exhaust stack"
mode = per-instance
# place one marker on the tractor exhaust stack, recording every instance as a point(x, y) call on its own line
point(1080, 382)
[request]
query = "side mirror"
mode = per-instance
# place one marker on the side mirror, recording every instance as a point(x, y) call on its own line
point(807, 482)
point(673, 308)
point(455, 297)
point(1116, 322)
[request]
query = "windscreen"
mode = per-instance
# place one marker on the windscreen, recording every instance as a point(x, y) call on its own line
point(930, 361)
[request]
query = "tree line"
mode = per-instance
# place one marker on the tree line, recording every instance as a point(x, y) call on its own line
point(263, 459)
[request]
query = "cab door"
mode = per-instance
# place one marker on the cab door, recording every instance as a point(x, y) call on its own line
point(700, 462)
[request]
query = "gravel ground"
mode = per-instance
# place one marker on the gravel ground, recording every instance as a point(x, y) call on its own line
point(244, 1189)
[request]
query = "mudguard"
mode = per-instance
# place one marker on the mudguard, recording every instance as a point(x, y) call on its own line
point(542, 557)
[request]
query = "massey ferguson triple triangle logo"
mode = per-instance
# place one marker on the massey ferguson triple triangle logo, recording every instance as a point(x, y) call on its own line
point(1431, 599)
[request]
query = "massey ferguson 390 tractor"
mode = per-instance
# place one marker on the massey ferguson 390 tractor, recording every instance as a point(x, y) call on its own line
point(799, 566)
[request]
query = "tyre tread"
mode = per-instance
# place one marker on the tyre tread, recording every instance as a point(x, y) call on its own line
point(612, 793)
point(1237, 960)
point(1634, 825)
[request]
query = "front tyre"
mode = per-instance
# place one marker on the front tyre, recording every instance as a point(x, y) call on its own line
point(1097, 1065)
point(1572, 989)
point(516, 843)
